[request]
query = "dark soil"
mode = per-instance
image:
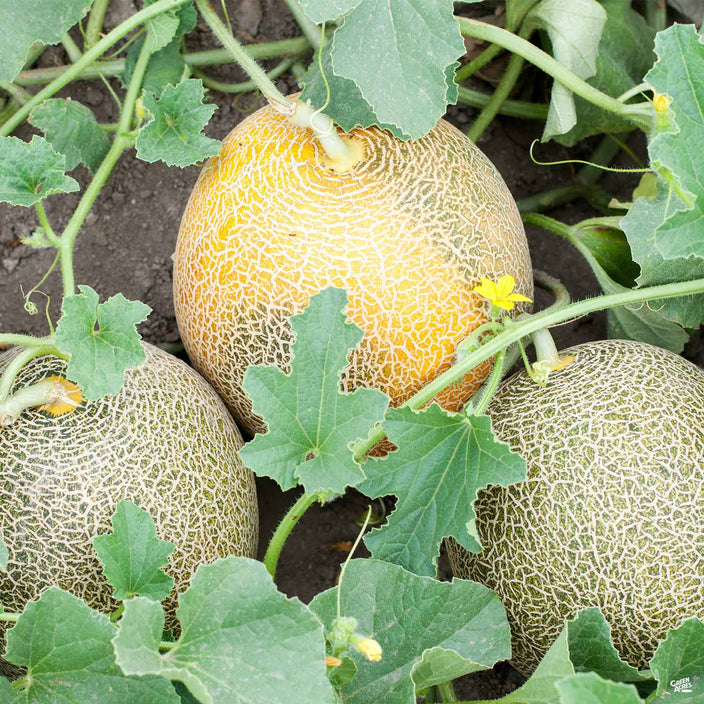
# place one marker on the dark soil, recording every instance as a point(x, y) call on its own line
point(129, 236)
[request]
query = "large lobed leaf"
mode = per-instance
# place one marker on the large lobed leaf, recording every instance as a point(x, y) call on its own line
point(415, 42)
point(442, 462)
point(428, 630)
point(28, 21)
point(242, 641)
point(311, 423)
point(99, 357)
point(66, 647)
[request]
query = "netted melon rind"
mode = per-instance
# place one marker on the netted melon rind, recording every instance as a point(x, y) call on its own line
point(409, 232)
point(165, 441)
point(612, 512)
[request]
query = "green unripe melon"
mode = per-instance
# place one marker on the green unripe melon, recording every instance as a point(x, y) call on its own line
point(612, 511)
point(165, 442)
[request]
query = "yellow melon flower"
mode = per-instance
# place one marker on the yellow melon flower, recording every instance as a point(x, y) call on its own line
point(500, 293)
point(661, 102)
point(370, 649)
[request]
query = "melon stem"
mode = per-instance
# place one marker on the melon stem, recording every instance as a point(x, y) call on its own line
point(39, 394)
point(342, 154)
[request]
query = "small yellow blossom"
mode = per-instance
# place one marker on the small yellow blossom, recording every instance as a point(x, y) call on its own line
point(500, 293)
point(370, 649)
point(330, 661)
point(661, 103)
point(65, 397)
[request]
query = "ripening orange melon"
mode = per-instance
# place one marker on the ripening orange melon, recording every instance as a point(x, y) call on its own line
point(408, 232)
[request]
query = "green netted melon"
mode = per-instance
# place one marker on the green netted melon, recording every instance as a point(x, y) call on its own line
point(612, 512)
point(165, 442)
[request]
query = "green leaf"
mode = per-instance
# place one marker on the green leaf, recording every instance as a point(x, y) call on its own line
point(417, 621)
point(442, 462)
point(625, 56)
point(66, 648)
point(241, 640)
point(71, 128)
point(592, 650)
point(343, 674)
point(678, 664)
point(589, 688)
point(574, 28)
point(640, 225)
point(415, 41)
point(29, 21)
point(132, 555)
point(99, 358)
point(31, 171)
point(174, 133)
point(679, 74)
point(326, 10)
point(311, 423)
point(4, 555)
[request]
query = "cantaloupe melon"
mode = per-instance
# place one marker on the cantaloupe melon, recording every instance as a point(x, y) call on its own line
point(408, 232)
point(165, 441)
point(612, 512)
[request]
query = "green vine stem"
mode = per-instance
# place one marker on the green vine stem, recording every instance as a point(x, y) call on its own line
point(122, 142)
point(310, 30)
point(9, 404)
point(503, 90)
point(10, 338)
point(196, 59)
point(245, 86)
point(283, 530)
point(525, 328)
point(656, 14)
point(478, 62)
point(95, 23)
point(72, 49)
point(447, 692)
point(489, 389)
point(510, 108)
point(640, 114)
point(342, 153)
point(237, 52)
point(9, 617)
point(72, 72)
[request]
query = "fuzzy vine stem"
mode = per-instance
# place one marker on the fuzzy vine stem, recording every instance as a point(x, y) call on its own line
point(9, 617)
point(73, 71)
point(245, 86)
point(11, 338)
point(525, 328)
point(72, 49)
point(639, 114)
point(246, 62)
point(283, 530)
